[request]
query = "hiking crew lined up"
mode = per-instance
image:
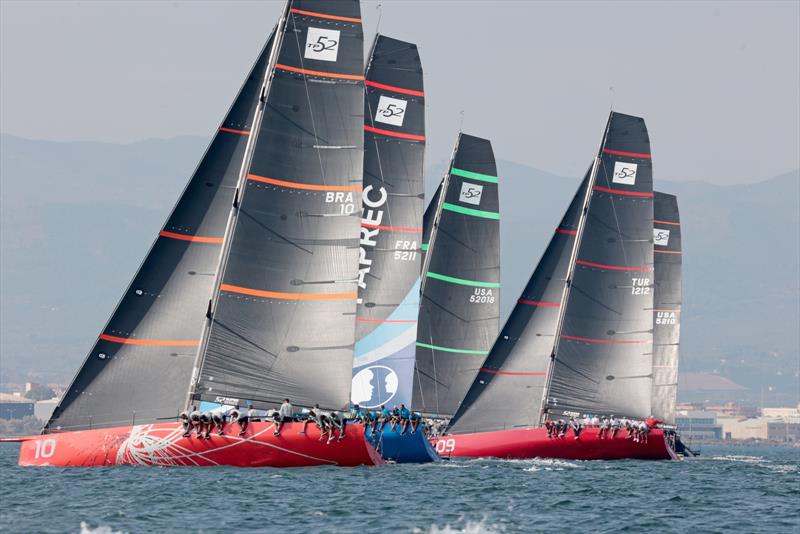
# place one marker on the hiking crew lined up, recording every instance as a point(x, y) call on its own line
point(608, 427)
point(376, 420)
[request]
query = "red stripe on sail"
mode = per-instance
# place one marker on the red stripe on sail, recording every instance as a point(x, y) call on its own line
point(156, 342)
point(626, 154)
point(538, 303)
point(621, 192)
point(509, 373)
point(193, 238)
point(609, 341)
point(394, 134)
point(286, 296)
point(231, 130)
point(666, 251)
point(666, 222)
point(391, 228)
point(393, 88)
point(612, 267)
point(568, 232)
point(324, 15)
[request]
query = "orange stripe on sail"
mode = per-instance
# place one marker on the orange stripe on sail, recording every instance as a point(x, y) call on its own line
point(310, 72)
point(157, 342)
point(297, 185)
point(231, 130)
point(666, 252)
point(193, 238)
point(324, 15)
point(287, 296)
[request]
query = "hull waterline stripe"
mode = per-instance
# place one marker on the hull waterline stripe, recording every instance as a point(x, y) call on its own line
point(621, 192)
point(151, 342)
point(391, 228)
point(231, 130)
point(449, 349)
point(401, 135)
point(474, 175)
point(607, 341)
point(461, 281)
point(393, 88)
point(666, 222)
point(612, 267)
point(310, 72)
point(469, 211)
point(626, 154)
point(286, 296)
point(297, 185)
point(324, 15)
point(538, 303)
point(192, 238)
point(508, 373)
point(568, 232)
point(666, 252)
point(365, 320)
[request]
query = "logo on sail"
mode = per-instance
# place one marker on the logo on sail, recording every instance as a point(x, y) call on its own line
point(322, 44)
point(374, 385)
point(471, 193)
point(391, 111)
point(660, 237)
point(624, 173)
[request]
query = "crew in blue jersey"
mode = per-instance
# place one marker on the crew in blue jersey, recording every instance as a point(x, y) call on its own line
point(404, 417)
point(415, 419)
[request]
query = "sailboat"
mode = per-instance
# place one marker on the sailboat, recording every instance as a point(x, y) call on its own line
point(460, 306)
point(260, 255)
point(580, 338)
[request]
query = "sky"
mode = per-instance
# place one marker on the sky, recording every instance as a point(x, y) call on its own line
point(717, 82)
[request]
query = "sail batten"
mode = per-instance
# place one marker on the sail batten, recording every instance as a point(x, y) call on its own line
point(459, 310)
point(391, 224)
point(140, 366)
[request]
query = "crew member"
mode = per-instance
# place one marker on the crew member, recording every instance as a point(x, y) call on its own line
point(311, 416)
point(615, 425)
point(414, 420)
point(194, 419)
point(577, 427)
point(284, 416)
point(405, 415)
point(186, 423)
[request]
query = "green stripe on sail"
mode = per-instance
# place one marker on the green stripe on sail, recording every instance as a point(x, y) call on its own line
point(448, 349)
point(461, 281)
point(474, 175)
point(424, 247)
point(469, 211)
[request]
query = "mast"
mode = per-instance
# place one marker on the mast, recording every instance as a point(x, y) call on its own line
point(239, 192)
point(587, 198)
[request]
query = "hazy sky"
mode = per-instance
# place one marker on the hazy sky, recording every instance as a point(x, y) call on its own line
point(717, 82)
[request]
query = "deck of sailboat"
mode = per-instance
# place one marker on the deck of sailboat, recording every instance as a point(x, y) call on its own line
point(534, 443)
point(163, 444)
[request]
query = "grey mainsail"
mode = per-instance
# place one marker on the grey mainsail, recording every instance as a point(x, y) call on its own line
point(603, 349)
point(283, 317)
point(139, 367)
point(509, 387)
point(667, 304)
point(391, 224)
point(459, 311)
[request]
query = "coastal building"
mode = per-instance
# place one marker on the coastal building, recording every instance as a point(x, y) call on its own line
point(14, 406)
point(698, 425)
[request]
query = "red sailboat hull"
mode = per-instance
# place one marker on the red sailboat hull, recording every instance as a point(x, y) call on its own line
point(534, 443)
point(163, 444)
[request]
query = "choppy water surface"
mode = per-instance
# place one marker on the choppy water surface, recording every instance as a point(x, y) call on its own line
point(740, 489)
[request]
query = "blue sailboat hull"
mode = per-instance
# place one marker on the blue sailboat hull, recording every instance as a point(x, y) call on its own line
point(407, 448)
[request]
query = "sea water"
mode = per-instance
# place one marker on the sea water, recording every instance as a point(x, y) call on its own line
point(743, 489)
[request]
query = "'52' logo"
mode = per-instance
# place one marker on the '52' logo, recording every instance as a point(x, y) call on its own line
point(392, 110)
point(322, 43)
